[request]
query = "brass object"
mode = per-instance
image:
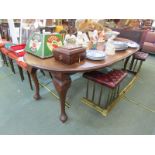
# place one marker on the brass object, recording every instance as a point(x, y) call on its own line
point(109, 97)
point(57, 97)
point(93, 91)
point(139, 104)
point(99, 101)
point(105, 112)
point(131, 64)
point(140, 65)
point(135, 65)
point(87, 88)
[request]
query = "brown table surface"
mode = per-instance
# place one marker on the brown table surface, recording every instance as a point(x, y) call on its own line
point(51, 64)
point(61, 72)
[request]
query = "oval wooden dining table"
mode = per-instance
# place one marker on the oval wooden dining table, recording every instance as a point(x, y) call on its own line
point(61, 72)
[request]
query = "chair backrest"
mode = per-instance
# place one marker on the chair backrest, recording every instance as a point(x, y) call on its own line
point(150, 37)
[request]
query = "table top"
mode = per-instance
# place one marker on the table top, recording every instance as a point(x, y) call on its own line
point(50, 64)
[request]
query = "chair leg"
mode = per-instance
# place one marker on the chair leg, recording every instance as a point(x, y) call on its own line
point(6, 62)
point(2, 56)
point(12, 66)
point(87, 89)
point(42, 72)
point(115, 93)
point(50, 75)
point(140, 65)
point(131, 65)
point(135, 65)
point(118, 90)
point(4, 59)
point(99, 101)
point(21, 73)
point(126, 62)
point(93, 92)
point(109, 98)
point(30, 82)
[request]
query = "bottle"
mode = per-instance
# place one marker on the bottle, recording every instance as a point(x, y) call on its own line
point(110, 48)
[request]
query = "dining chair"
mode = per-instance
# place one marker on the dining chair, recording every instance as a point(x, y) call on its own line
point(23, 66)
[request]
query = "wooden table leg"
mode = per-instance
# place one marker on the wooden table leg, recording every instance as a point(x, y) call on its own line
point(33, 74)
point(62, 82)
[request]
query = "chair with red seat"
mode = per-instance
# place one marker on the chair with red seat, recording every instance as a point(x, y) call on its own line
point(17, 56)
point(112, 80)
point(13, 55)
point(23, 66)
point(5, 51)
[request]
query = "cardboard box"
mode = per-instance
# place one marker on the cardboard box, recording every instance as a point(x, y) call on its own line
point(42, 45)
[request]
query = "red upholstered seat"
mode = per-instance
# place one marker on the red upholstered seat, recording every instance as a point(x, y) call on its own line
point(18, 47)
point(4, 51)
point(111, 79)
point(12, 55)
point(140, 56)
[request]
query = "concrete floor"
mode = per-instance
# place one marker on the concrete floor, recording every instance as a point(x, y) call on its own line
point(21, 114)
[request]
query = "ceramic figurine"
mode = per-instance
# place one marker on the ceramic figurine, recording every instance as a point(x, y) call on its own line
point(101, 36)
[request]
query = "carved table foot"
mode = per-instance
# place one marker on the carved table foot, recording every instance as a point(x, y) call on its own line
point(63, 117)
point(36, 96)
point(62, 83)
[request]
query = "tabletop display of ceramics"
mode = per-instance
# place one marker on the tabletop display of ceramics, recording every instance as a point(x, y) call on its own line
point(95, 54)
point(110, 47)
point(132, 44)
point(120, 46)
point(112, 34)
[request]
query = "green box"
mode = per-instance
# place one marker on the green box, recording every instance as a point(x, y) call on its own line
point(42, 45)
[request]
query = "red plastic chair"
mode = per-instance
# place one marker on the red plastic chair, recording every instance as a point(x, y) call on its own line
point(23, 66)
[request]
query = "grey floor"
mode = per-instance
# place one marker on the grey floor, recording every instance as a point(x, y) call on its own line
point(21, 114)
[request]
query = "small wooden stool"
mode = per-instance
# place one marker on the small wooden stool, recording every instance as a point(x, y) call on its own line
point(111, 80)
point(137, 57)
